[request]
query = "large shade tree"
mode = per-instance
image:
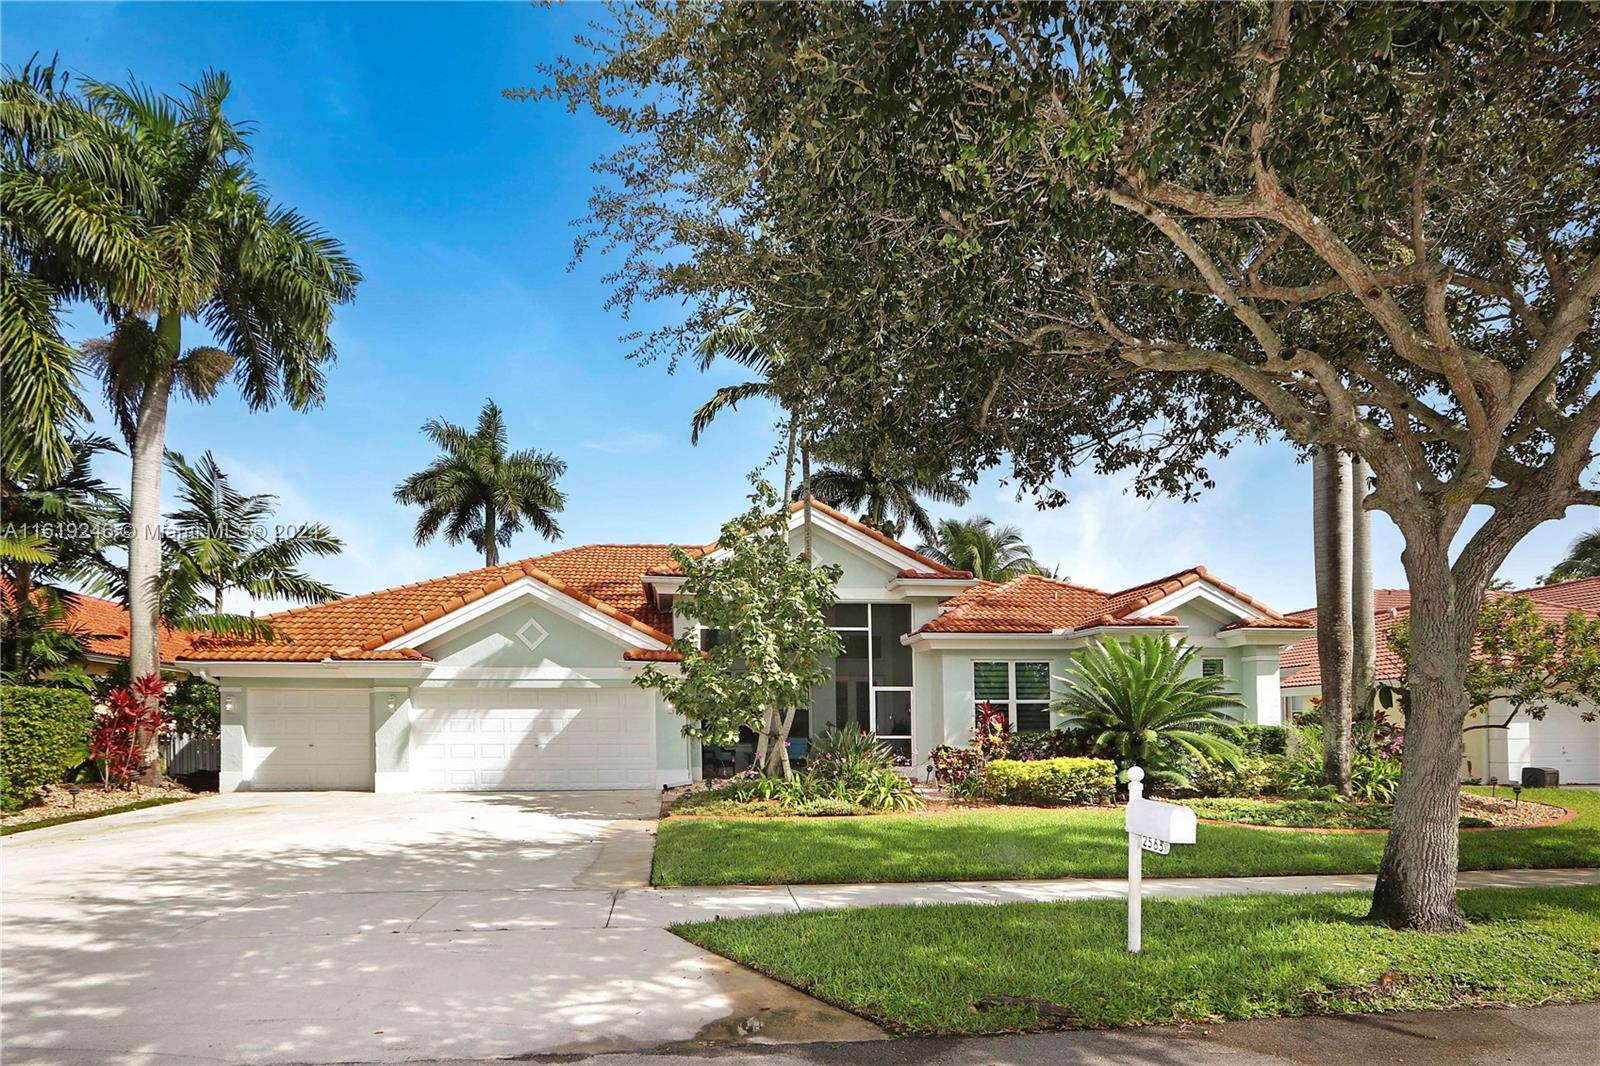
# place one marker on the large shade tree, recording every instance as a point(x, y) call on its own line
point(145, 206)
point(479, 491)
point(1133, 234)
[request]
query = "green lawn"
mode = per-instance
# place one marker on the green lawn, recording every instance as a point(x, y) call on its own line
point(82, 816)
point(973, 969)
point(1002, 844)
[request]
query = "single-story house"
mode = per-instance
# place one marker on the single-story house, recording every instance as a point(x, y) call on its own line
point(1563, 739)
point(103, 626)
point(519, 676)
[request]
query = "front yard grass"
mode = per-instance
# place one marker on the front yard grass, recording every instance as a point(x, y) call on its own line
point(999, 844)
point(965, 969)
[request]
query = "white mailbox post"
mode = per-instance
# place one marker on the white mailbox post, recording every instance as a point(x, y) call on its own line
point(1152, 826)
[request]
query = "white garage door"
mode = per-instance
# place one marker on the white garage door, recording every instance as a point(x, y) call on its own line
point(308, 739)
point(1568, 743)
point(555, 738)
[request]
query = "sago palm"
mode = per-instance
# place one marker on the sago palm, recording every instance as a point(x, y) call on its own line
point(145, 206)
point(478, 491)
point(1136, 706)
point(991, 552)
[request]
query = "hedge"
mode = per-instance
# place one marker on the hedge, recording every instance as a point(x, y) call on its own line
point(42, 735)
point(1051, 782)
point(1262, 739)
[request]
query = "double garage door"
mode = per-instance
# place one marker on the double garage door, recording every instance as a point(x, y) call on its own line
point(461, 739)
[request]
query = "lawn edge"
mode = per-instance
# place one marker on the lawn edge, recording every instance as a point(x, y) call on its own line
point(85, 816)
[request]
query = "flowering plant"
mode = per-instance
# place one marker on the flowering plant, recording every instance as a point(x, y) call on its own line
point(130, 719)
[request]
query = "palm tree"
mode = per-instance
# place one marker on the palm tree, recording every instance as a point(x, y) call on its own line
point(477, 491)
point(991, 552)
point(858, 476)
point(1333, 533)
point(55, 526)
point(1136, 706)
point(145, 206)
point(223, 543)
point(740, 338)
point(1583, 560)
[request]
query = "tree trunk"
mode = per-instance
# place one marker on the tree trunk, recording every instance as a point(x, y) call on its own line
point(1335, 637)
point(1416, 887)
point(805, 486)
point(216, 599)
point(785, 724)
point(491, 550)
point(765, 739)
point(144, 538)
point(788, 462)
point(1363, 622)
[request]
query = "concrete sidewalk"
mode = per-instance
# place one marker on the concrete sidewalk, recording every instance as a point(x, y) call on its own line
point(661, 907)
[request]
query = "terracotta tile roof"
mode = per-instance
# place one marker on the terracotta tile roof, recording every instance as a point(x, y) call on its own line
point(104, 626)
point(1036, 604)
point(651, 655)
point(357, 626)
point(1264, 622)
point(1300, 665)
point(1582, 594)
point(1027, 604)
point(1382, 600)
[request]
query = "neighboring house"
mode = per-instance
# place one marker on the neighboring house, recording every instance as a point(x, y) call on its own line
point(1562, 739)
point(519, 676)
point(102, 626)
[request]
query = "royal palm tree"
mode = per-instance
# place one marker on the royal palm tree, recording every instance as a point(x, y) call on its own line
point(145, 205)
point(856, 476)
point(1333, 532)
point(1583, 560)
point(991, 552)
point(478, 491)
point(1135, 705)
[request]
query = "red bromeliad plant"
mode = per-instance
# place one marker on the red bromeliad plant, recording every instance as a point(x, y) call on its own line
point(128, 719)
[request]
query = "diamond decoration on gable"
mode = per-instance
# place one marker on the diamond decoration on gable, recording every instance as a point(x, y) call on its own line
point(532, 634)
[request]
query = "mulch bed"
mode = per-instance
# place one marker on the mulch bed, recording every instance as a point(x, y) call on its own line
point(55, 801)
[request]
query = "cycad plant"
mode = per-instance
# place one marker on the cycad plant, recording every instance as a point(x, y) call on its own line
point(1138, 708)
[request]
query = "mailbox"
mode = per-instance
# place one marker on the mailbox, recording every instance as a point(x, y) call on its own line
point(1161, 821)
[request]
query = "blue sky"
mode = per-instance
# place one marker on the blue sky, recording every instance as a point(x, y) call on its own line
point(385, 123)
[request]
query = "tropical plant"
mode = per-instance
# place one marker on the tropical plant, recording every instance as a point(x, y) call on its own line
point(38, 645)
point(55, 526)
point(857, 474)
point(774, 641)
point(42, 733)
point(224, 539)
point(145, 206)
point(1583, 560)
point(739, 338)
point(130, 719)
point(478, 491)
point(1127, 236)
point(991, 552)
point(1139, 708)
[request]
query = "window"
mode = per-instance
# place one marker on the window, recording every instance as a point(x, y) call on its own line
point(1211, 668)
point(871, 685)
point(1021, 689)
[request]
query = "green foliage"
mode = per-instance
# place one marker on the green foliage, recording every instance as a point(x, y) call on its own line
point(862, 786)
point(988, 551)
point(768, 608)
point(1583, 560)
point(42, 734)
point(477, 491)
point(194, 705)
point(1261, 739)
point(1525, 658)
point(1249, 775)
point(1305, 814)
point(37, 644)
point(1050, 782)
point(1136, 705)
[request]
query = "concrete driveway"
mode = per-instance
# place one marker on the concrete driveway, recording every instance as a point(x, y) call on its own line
point(317, 927)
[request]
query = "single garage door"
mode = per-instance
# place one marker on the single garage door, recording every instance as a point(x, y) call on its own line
point(1568, 743)
point(535, 738)
point(300, 739)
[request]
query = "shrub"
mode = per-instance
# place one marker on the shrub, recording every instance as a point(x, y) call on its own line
point(1254, 775)
point(1261, 739)
point(1045, 744)
point(129, 716)
point(42, 732)
point(847, 753)
point(1051, 782)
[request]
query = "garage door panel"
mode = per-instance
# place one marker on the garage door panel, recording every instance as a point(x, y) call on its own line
point(530, 739)
point(308, 739)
